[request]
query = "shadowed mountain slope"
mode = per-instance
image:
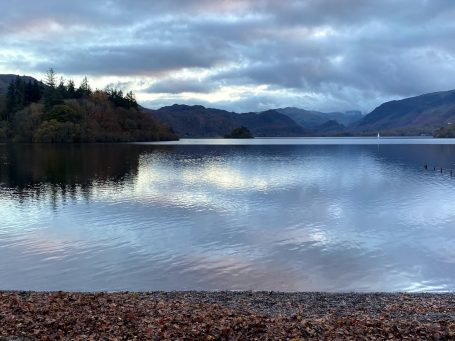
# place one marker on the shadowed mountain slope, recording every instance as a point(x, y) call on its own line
point(198, 121)
point(423, 114)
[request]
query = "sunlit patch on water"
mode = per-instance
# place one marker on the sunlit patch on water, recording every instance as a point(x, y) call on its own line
point(282, 216)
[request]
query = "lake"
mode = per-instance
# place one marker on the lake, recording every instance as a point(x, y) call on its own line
point(328, 214)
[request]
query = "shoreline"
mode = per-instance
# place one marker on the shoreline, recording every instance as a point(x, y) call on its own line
point(225, 315)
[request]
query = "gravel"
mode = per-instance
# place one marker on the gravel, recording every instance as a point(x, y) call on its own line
point(225, 315)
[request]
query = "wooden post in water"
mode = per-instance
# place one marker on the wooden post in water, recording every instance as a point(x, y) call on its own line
point(441, 170)
point(426, 166)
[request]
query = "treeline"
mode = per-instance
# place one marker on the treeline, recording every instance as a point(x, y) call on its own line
point(57, 111)
point(20, 94)
point(445, 132)
point(54, 93)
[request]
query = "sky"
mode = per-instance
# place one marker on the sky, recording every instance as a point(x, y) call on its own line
point(239, 55)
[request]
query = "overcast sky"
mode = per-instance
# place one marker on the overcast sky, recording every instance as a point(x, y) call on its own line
point(240, 55)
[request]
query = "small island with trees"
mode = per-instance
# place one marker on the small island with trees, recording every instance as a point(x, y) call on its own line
point(239, 133)
point(57, 111)
point(445, 132)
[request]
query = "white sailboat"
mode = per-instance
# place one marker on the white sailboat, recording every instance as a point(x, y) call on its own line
point(379, 136)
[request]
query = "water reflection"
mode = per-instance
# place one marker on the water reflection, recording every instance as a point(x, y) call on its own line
point(302, 217)
point(63, 171)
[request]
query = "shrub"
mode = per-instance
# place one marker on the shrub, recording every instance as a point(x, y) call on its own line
point(63, 113)
point(54, 131)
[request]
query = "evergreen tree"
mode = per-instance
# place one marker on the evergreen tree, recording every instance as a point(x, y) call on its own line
point(50, 78)
point(131, 100)
point(116, 96)
point(51, 94)
point(10, 101)
point(33, 92)
point(20, 94)
point(28, 93)
point(15, 97)
point(71, 89)
point(36, 91)
point(84, 89)
point(61, 89)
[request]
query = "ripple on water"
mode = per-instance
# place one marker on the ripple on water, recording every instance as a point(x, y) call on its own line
point(307, 217)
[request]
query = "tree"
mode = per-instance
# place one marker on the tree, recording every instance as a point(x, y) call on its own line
point(71, 89)
point(61, 89)
point(50, 79)
point(131, 100)
point(84, 89)
point(62, 113)
point(21, 94)
point(51, 94)
point(15, 97)
point(10, 101)
point(116, 96)
point(33, 92)
point(239, 133)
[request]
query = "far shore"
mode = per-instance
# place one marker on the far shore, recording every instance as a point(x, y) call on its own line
point(225, 315)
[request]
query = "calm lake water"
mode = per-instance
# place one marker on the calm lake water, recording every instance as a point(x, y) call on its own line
point(263, 214)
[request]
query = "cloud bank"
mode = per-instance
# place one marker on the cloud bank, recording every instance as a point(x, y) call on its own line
point(244, 55)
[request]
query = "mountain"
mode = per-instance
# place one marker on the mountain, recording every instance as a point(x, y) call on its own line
point(415, 115)
point(198, 121)
point(305, 118)
point(343, 117)
point(314, 119)
point(330, 128)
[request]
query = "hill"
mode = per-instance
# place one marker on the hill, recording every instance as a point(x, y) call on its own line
point(330, 128)
point(5, 81)
point(311, 119)
point(343, 117)
point(199, 121)
point(415, 115)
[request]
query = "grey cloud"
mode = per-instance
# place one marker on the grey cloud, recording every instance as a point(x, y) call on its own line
point(128, 60)
point(331, 99)
point(372, 51)
point(176, 86)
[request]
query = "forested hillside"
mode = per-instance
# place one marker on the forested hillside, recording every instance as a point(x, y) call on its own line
point(315, 120)
point(198, 121)
point(59, 112)
point(411, 116)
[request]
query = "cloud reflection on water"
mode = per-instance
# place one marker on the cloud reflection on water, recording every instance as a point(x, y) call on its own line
point(227, 217)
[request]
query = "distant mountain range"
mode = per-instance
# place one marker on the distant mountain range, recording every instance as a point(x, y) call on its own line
point(198, 121)
point(420, 115)
point(432, 113)
point(315, 119)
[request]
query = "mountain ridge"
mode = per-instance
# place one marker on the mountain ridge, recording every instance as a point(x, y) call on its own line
point(6, 79)
point(313, 119)
point(199, 121)
point(424, 113)
point(417, 115)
